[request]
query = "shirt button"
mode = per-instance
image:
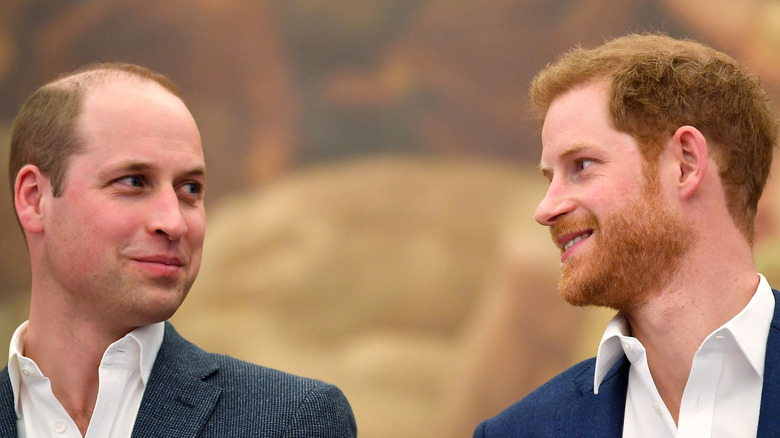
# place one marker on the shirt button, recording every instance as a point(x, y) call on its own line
point(657, 408)
point(60, 426)
point(26, 372)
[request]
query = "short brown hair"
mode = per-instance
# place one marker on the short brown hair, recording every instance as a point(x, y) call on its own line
point(658, 84)
point(44, 132)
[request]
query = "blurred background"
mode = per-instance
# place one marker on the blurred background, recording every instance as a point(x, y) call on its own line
point(372, 180)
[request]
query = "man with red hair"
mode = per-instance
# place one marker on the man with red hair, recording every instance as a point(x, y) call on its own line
point(657, 151)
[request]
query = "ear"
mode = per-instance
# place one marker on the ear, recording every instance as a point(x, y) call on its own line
point(29, 190)
point(690, 152)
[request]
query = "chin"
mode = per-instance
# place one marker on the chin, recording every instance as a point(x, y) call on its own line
point(602, 291)
point(159, 305)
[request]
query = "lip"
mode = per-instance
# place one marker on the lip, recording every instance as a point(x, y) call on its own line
point(564, 239)
point(163, 259)
point(160, 265)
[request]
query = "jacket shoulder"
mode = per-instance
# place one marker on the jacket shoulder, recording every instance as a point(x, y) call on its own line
point(300, 406)
point(290, 405)
point(536, 414)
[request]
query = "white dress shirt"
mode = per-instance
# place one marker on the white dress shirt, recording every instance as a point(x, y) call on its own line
point(723, 395)
point(123, 373)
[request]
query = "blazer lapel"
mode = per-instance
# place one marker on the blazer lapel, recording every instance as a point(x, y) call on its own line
point(769, 415)
point(597, 415)
point(7, 411)
point(177, 401)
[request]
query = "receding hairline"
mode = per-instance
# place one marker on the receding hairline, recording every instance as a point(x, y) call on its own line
point(99, 74)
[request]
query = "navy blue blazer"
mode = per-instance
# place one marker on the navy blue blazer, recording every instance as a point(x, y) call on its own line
point(567, 407)
point(191, 393)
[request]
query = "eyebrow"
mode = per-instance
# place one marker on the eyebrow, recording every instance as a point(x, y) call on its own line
point(140, 166)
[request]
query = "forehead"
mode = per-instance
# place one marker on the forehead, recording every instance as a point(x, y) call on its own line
point(129, 116)
point(579, 120)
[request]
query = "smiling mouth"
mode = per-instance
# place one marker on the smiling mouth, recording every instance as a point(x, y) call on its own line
point(571, 242)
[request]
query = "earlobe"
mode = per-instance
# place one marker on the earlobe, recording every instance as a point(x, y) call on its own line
point(691, 152)
point(28, 195)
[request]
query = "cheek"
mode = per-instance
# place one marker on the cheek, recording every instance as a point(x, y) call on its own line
point(102, 227)
point(196, 228)
point(616, 196)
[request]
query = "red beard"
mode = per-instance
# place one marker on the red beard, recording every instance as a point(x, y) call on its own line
point(632, 252)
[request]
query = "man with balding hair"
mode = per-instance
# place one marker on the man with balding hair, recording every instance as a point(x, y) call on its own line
point(108, 179)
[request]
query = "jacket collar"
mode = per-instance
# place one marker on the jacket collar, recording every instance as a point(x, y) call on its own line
point(597, 415)
point(768, 418)
point(178, 399)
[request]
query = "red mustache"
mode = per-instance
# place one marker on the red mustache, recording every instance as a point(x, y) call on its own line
point(566, 228)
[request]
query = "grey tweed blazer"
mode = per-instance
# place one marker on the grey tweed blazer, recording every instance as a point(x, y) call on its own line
point(192, 393)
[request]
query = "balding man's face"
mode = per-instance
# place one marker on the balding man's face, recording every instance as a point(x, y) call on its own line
point(124, 240)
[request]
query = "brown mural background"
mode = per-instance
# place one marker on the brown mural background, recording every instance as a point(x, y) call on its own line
point(371, 180)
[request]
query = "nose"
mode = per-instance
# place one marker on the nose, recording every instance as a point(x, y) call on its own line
point(554, 205)
point(166, 217)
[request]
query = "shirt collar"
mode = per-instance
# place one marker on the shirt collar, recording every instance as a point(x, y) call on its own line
point(14, 352)
point(610, 348)
point(147, 339)
point(748, 328)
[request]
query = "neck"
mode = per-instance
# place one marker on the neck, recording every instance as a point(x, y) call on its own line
point(674, 322)
point(68, 349)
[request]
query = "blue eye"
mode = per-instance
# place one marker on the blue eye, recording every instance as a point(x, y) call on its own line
point(193, 188)
point(132, 181)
